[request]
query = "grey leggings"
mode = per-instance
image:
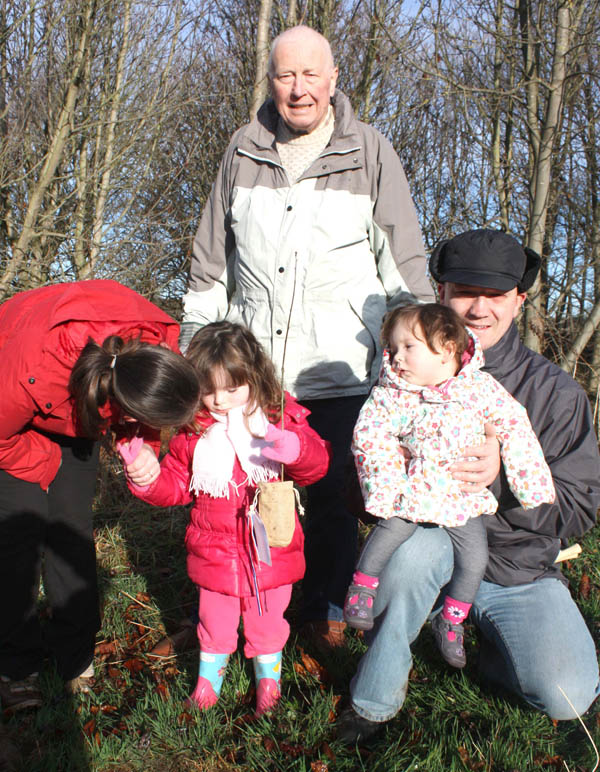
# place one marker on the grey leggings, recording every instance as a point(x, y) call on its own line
point(469, 542)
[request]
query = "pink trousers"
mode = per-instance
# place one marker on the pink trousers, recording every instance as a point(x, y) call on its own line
point(220, 617)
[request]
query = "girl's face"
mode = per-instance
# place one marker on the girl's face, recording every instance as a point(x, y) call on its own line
point(225, 396)
point(415, 362)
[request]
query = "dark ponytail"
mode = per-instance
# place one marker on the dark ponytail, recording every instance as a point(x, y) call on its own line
point(150, 383)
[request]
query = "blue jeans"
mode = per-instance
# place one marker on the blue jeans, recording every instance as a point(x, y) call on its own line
point(534, 637)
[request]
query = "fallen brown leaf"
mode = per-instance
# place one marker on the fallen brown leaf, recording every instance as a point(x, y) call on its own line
point(585, 586)
point(89, 727)
point(334, 705)
point(327, 751)
point(105, 648)
point(186, 718)
point(134, 665)
point(314, 667)
point(293, 750)
point(163, 691)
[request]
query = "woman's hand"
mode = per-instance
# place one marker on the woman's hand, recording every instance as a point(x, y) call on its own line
point(477, 474)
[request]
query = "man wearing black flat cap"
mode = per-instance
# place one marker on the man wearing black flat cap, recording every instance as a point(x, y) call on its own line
point(534, 641)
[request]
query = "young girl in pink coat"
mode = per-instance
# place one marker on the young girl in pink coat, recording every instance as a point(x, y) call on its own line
point(240, 438)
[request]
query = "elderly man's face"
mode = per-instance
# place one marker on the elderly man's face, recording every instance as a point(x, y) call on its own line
point(303, 81)
point(488, 313)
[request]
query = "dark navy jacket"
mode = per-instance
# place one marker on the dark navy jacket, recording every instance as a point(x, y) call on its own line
point(524, 544)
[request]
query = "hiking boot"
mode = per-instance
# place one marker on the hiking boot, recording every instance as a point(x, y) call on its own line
point(183, 640)
point(325, 634)
point(350, 727)
point(358, 607)
point(20, 694)
point(449, 638)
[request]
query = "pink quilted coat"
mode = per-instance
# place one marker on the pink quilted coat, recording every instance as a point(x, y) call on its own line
point(220, 557)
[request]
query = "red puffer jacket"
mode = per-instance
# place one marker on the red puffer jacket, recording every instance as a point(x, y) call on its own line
point(42, 333)
point(217, 538)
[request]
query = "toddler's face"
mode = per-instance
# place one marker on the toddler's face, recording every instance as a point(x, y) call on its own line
point(415, 362)
point(225, 396)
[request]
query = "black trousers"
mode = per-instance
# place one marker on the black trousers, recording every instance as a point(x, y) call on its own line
point(331, 531)
point(49, 534)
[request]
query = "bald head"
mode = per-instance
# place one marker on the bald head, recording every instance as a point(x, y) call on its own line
point(301, 35)
point(302, 77)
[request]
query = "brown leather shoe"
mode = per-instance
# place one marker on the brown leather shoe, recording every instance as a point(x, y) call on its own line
point(183, 640)
point(325, 634)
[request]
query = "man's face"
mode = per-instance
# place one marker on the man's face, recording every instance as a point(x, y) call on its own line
point(488, 313)
point(303, 81)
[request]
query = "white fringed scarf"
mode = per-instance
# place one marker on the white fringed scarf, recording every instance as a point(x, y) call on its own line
point(215, 452)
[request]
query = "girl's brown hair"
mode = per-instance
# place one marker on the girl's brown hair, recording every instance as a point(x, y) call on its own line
point(149, 382)
point(233, 349)
point(437, 325)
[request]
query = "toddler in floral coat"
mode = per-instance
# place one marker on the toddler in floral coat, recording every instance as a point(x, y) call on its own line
point(432, 400)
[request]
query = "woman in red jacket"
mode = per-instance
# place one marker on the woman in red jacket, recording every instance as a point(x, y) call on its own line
point(243, 439)
point(74, 360)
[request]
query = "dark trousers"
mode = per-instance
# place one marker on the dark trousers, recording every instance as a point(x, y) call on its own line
point(49, 534)
point(331, 532)
point(469, 542)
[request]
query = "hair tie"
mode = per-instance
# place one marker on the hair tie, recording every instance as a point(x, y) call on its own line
point(112, 364)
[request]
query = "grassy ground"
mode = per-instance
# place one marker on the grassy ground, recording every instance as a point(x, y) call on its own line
point(135, 718)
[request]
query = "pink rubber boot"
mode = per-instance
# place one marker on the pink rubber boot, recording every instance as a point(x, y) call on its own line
point(203, 695)
point(210, 679)
point(267, 671)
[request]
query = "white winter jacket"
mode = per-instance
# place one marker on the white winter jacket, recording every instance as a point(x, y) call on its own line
point(315, 263)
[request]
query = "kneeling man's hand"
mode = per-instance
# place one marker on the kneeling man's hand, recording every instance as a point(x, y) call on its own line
point(482, 466)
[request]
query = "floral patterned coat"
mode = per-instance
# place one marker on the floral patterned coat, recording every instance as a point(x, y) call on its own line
point(435, 424)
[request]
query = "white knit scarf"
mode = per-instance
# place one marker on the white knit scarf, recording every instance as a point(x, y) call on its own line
point(215, 452)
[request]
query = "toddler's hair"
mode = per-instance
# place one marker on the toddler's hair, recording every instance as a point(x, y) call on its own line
point(432, 322)
point(233, 349)
point(149, 382)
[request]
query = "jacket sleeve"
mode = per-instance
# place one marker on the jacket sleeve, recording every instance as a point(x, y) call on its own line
point(208, 294)
point(24, 453)
point(171, 488)
point(525, 467)
point(314, 457)
point(377, 453)
point(566, 432)
point(395, 237)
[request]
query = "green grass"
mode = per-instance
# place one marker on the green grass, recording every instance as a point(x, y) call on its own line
point(135, 718)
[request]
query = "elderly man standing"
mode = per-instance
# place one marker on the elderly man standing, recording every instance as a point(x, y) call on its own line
point(534, 640)
point(308, 235)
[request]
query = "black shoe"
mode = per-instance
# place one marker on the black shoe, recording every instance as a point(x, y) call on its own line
point(358, 606)
point(350, 727)
point(452, 651)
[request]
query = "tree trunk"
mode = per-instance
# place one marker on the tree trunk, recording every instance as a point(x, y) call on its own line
point(259, 91)
point(54, 154)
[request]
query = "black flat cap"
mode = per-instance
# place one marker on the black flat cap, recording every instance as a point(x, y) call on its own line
point(485, 258)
